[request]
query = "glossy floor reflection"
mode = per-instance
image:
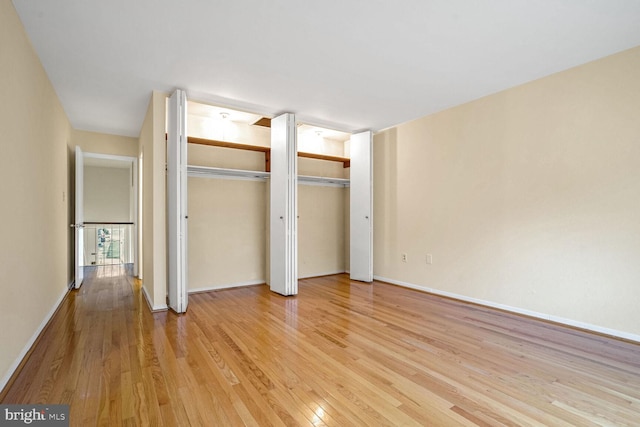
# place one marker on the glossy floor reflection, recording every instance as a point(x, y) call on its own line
point(340, 353)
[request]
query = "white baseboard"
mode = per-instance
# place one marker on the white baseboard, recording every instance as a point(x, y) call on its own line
point(227, 286)
point(328, 273)
point(162, 307)
point(530, 313)
point(34, 337)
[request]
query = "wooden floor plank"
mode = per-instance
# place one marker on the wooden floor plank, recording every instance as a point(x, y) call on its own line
point(339, 353)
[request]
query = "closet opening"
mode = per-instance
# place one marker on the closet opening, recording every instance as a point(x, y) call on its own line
point(228, 155)
point(323, 201)
point(230, 192)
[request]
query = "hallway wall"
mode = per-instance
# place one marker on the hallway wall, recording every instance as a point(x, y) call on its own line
point(35, 194)
point(153, 249)
point(103, 143)
point(107, 194)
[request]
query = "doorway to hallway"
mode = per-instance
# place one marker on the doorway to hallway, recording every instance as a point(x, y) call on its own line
point(106, 203)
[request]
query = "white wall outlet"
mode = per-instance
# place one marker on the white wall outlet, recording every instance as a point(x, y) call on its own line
point(429, 259)
point(404, 257)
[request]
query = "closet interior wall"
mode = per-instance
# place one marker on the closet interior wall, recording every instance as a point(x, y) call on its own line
point(323, 229)
point(227, 217)
point(228, 242)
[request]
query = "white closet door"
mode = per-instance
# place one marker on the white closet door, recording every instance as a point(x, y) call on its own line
point(283, 244)
point(361, 207)
point(79, 217)
point(177, 200)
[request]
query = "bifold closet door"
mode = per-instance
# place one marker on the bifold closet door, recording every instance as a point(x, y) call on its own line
point(283, 227)
point(361, 207)
point(177, 201)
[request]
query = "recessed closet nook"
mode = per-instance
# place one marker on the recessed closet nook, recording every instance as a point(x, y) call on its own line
point(257, 200)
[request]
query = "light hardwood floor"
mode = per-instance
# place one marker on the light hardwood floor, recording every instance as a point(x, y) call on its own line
point(340, 353)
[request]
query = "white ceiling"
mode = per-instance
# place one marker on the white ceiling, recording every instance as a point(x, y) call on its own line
point(342, 64)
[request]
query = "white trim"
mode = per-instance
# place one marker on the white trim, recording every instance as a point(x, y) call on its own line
point(32, 340)
point(530, 313)
point(162, 307)
point(110, 157)
point(328, 273)
point(227, 286)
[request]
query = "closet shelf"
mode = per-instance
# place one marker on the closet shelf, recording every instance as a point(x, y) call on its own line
point(226, 144)
point(237, 146)
point(346, 162)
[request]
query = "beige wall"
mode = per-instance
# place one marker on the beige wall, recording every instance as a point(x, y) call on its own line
point(152, 150)
point(107, 194)
point(321, 230)
point(529, 198)
point(227, 217)
point(34, 194)
point(145, 147)
point(310, 143)
point(347, 228)
point(229, 158)
point(227, 232)
point(323, 168)
point(93, 142)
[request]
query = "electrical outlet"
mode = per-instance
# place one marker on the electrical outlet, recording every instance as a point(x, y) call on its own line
point(429, 259)
point(404, 257)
